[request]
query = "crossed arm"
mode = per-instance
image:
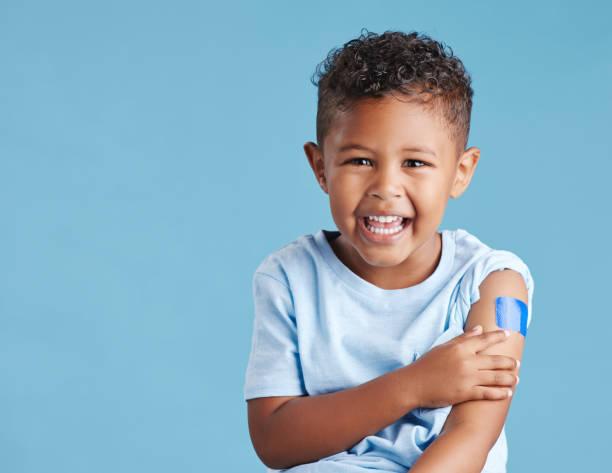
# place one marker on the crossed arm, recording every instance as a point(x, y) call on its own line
point(472, 427)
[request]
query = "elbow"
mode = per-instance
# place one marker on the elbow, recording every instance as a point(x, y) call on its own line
point(268, 460)
point(274, 439)
point(272, 461)
point(260, 445)
point(270, 456)
point(264, 448)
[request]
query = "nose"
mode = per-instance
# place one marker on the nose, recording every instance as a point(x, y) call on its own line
point(385, 184)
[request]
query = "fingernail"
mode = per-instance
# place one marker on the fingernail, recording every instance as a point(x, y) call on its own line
point(517, 379)
point(506, 333)
point(509, 393)
point(518, 363)
point(477, 328)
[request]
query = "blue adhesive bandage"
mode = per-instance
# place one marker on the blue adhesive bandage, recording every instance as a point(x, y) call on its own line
point(511, 313)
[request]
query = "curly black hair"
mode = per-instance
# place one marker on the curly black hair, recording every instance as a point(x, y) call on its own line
point(377, 65)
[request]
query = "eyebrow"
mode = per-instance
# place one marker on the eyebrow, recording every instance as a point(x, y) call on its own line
point(413, 149)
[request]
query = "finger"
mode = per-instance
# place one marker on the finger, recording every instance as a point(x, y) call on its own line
point(496, 362)
point(485, 340)
point(493, 394)
point(497, 378)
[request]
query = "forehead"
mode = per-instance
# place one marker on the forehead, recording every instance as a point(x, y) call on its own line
point(389, 124)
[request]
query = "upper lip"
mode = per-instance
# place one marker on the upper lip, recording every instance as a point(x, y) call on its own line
point(386, 213)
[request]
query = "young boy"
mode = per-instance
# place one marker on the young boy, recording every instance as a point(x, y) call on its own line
point(359, 359)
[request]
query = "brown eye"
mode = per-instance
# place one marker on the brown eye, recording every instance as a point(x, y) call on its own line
point(417, 163)
point(360, 161)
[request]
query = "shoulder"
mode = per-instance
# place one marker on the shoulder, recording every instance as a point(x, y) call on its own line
point(479, 259)
point(468, 247)
point(481, 262)
point(284, 263)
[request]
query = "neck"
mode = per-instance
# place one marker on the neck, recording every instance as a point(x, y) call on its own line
point(412, 271)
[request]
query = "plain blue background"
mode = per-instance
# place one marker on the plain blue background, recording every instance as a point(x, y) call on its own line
point(151, 157)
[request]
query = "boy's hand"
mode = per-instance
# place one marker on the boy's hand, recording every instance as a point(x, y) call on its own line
point(455, 372)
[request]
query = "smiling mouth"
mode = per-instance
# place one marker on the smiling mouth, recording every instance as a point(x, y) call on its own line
point(377, 231)
point(385, 228)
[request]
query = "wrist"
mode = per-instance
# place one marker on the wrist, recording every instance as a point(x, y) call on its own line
point(410, 396)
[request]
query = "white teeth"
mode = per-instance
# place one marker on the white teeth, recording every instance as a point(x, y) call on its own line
point(385, 231)
point(384, 219)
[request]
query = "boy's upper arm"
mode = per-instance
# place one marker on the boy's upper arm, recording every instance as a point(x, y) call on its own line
point(489, 415)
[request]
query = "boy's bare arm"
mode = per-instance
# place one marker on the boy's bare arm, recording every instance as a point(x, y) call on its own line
point(472, 427)
point(287, 431)
point(292, 430)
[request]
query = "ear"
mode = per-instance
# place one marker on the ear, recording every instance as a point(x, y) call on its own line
point(315, 159)
point(466, 165)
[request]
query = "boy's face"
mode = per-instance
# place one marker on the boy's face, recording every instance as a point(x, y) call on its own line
point(390, 158)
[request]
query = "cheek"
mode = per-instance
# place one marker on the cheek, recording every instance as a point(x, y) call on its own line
point(344, 193)
point(430, 198)
point(340, 205)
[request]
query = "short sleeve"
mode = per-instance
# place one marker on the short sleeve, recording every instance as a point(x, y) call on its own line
point(495, 260)
point(274, 365)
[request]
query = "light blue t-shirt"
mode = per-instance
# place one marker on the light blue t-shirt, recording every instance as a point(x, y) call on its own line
point(320, 328)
